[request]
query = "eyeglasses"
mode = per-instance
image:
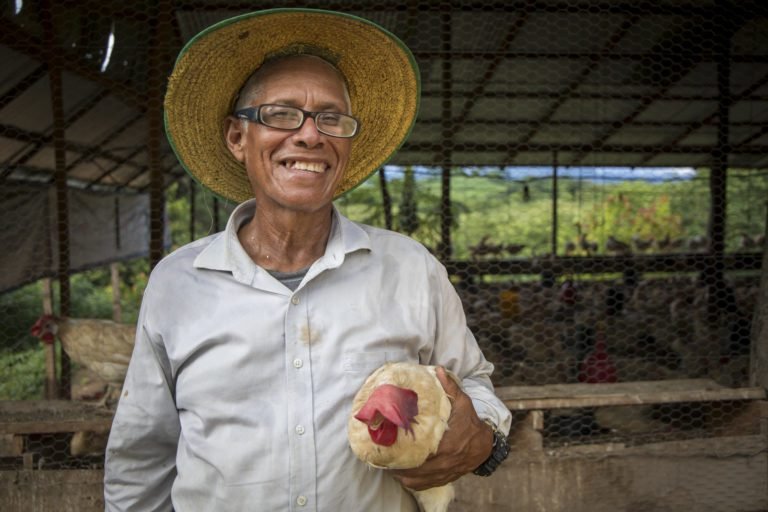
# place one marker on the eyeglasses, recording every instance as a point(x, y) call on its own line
point(284, 117)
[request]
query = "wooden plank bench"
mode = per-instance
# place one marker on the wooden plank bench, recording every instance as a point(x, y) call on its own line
point(535, 400)
point(566, 396)
point(51, 416)
point(21, 420)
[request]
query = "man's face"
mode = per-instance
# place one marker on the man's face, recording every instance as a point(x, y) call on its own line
point(294, 170)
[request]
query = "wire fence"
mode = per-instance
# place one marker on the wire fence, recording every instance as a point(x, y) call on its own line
point(594, 176)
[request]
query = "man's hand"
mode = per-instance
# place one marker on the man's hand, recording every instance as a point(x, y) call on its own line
point(465, 445)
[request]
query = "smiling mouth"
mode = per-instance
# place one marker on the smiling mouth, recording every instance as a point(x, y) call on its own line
point(316, 167)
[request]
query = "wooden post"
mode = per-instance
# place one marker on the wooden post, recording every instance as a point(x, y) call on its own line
point(758, 374)
point(713, 275)
point(554, 203)
point(192, 208)
point(444, 250)
point(216, 228)
point(114, 269)
point(386, 199)
point(51, 388)
point(158, 70)
point(60, 178)
point(117, 309)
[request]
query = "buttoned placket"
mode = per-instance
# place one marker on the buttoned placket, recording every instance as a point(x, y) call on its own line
point(301, 435)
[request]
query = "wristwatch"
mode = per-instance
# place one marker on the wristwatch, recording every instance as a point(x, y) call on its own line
point(499, 453)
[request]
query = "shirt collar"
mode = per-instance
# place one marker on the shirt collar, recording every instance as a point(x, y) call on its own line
point(225, 253)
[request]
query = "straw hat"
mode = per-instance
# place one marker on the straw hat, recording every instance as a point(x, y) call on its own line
point(381, 73)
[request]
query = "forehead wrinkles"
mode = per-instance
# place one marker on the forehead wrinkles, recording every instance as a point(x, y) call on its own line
point(256, 83)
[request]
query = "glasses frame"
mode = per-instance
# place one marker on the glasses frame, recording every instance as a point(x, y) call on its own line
point(253, 114)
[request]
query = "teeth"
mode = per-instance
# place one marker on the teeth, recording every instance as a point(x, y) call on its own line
point(306, 166)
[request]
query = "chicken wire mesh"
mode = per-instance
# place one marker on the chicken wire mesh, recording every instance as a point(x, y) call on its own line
point(592, 174)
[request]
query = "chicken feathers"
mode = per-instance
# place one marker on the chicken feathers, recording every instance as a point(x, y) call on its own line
point(102, 346)
point(398, 418)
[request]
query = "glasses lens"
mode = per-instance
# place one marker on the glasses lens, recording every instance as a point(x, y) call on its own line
point(338, 125)
point(291, 118)
point(279, 116)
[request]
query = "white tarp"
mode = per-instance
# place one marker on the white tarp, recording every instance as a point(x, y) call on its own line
point(29, 231)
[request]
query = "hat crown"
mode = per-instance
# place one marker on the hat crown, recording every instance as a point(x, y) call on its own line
point(381, 73)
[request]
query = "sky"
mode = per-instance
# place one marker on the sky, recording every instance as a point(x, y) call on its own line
point(602, 174)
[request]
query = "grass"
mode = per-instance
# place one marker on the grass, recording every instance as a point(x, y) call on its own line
point(22, 374)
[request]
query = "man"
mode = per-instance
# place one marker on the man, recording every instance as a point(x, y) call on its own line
point(252, 343)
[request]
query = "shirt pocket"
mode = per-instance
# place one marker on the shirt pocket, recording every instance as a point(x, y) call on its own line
point(365, 362)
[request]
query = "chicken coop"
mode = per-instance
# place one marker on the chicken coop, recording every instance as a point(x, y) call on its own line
point(593, 174)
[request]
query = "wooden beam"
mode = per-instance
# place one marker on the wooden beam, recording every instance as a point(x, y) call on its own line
point(159, 65)
point(15, 133)
point(641, 263)
point(479, 89)
point(511, 94)
point(445, 249)
point(646, 7)
point(51, 386)
point(54, 63)
point(70, 119)
point(22, 85)
point(23, 42)
point(386, 199)
point(192, 208)
point(108, 137)
point(758, 361)
point(51, 416)
point(496, 147)
point(565, 94)
point(565, 396)
point(553, 248)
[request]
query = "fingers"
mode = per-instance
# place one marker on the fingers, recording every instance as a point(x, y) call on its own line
point(419, 480)
point(449, 383)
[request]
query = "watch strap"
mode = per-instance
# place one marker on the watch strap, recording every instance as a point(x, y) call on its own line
point(499, 453)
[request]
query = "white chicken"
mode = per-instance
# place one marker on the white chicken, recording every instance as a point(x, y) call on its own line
point(102, 346)
point(398, 418)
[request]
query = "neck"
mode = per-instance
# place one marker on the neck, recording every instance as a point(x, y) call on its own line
point(286, 242)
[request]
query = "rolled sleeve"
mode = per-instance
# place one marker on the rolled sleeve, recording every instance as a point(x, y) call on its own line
point(456, 348)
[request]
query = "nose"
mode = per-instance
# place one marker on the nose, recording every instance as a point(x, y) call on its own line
point(308, 135)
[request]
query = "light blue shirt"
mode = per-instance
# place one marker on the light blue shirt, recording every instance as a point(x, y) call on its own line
point(239, 390)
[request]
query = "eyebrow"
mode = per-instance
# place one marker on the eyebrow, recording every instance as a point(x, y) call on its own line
point(328, 106)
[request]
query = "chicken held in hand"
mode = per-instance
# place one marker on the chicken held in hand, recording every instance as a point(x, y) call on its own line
point(398, 418)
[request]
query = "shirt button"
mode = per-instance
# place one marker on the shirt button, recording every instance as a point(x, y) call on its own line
point(295, 300)
point(301, 501)
point(298, 363)
point(299, 429)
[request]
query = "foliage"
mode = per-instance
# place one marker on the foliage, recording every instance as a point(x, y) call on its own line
point(207, 221)
point(482, 203)
point(623, 219)
point(23, 373)
point(19, 310)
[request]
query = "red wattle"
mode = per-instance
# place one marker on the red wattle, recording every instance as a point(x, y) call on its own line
point(385, 435)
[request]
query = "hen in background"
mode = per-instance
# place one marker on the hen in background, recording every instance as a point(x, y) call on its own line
point(102, 346)
point(398, 418)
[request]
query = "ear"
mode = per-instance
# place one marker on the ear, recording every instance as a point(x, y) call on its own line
point(234, 137)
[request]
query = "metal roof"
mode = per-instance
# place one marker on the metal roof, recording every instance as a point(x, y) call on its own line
point(668, 83)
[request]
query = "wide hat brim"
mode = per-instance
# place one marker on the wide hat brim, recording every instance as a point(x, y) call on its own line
point(381, 73)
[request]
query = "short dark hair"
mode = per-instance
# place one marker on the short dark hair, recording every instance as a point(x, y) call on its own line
point(296, 50)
